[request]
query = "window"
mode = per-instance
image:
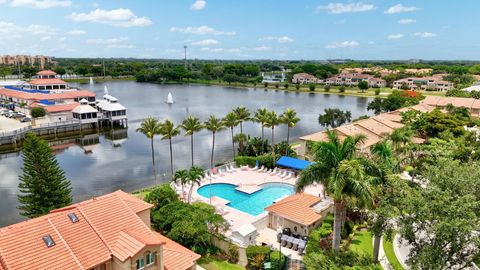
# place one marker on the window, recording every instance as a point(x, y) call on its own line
point(48, 240)
point(72, 217)
point(150, 258)
point(140, 263)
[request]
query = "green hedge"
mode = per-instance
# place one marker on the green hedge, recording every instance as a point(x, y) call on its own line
point(265, 160)
point(254, 250)
point(277, 259)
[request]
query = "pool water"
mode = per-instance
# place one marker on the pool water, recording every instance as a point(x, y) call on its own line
point(252, 204)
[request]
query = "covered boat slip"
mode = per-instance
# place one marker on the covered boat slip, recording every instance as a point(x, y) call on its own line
point(293, 163)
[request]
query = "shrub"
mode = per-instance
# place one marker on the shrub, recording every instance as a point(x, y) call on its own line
point(286, 86)
point(342, 89)
point(277, 85)
point(265, 160)
point(311, 87)
point(254, 250)
point(233, 253)
point(37, 112)
point(265, 84)
point(327, 88)
point(297, 86)
point(161, 195)
point(284, 149)
point(277, 259)
point(377, 91)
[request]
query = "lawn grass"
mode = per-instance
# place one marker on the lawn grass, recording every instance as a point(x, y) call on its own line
point(388, 249)
point(362, 243)
point(211, 263)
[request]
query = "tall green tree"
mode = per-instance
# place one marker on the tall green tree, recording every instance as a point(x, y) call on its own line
point(338, 168)
point(231, 121)
point(150, 127)
point(334, 117)
point(272, 121)
point(43, 186)
point(168, 131)
point(243, 115)
point(289, 118)
point(195, 175)
point(181, 177)
point(191, 124)
point(260, 117)
point(214, 125)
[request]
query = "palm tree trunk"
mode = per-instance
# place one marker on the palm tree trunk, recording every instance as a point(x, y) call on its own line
point(263, 138)
point(213, 147)
point(171, 156)
point(288, 134)
point(191, 143)
point(344, 215)
point(273, 148)
point(337, 226)
point(241, 128)
point(376, 246)
point(233, 144)
point(153, 162)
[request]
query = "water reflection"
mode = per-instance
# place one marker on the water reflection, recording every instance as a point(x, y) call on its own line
point(120, 159)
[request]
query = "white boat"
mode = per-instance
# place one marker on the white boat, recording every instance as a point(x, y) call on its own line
point(169, 98)
point(105, 90)
point(91, 80)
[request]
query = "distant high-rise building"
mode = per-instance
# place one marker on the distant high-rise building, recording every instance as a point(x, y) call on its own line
point(13, 60)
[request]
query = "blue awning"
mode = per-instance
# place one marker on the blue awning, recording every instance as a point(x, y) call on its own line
point(294, 163)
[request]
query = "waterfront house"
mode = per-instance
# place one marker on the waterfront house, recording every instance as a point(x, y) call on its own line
point(109, 232)
point(433, 83)
point(304, 78)
point(352, 79)
point(300, 212)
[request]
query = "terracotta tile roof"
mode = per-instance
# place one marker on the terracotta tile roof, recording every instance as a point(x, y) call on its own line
point(107, 226)
point(46, 81)
point(374, 126)
point(176, 256)
point(38, 96)
point(57, 108)
point(46, 72)
point(297, 208)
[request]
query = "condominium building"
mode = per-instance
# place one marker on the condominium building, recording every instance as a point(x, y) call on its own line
point(352, 79)
point(111, 232)
point(435, 83)
point(305, 78)
point(40, 60)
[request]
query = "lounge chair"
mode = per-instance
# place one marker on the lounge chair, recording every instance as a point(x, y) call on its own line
point(261, 168)
point(290, 240)
point(255, 168)
point(283, 174)
point(232, 168)
point(265, 169)
point(295, 243)
point(228, 169)
point(274, 171)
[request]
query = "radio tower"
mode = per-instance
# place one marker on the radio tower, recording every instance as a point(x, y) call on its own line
point(185, 59)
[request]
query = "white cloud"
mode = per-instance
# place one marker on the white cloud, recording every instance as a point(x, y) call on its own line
point(339, 8)
point(200, 30)
point(395, 36)
point(15, 31)
point(198, 5)
point(282, 39)
point(42, 4)
point(114, 43)
point(215, 50)
point(399, 8)
point(425, 34)
point(45, 38)
point(407, 21)
point(371, 42)
point(205, 42)
point(343, 44)
point(116, 17)
point(76, 32)
point(262, 48)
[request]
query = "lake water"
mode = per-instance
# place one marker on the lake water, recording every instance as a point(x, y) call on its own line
point(125, 161)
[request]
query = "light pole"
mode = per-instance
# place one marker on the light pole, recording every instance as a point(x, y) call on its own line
point(185, 53)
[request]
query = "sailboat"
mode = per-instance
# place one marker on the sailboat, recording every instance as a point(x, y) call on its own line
point(169, 98)
point(91, 80)
point(105, 90)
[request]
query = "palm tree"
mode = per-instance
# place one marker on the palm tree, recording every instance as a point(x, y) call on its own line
point(181, 176)
point(213, 125)
point(169, 130)
point(289, 118)
point(231, 121)
point(191, 124)
point(243, 115)
point(151, 127)
point(272, 121)
point(342, 174)
point(400, 137)
point(195, 175)
point(240, 139)
point(261, 117)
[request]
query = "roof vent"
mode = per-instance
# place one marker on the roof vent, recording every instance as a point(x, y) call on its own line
point(48, 240)
point(73, 217)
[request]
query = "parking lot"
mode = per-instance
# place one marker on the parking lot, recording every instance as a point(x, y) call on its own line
point(10, 124)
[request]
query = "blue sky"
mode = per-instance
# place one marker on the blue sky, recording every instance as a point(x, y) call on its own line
point(246, 29)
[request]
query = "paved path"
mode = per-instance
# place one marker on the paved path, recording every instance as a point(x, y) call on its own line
point(382, 258)
point(401, 251)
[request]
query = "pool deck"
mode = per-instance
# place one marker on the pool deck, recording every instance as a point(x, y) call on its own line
point(248, 181)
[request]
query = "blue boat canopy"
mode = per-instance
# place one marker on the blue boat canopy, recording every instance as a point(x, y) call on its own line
point(294, 163)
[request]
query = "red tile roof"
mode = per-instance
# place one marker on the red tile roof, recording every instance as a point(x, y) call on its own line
point(297, 208)
point(46, 72)
point(107, 225)
point(57, 108)
point(46, 81)
point(38, 96)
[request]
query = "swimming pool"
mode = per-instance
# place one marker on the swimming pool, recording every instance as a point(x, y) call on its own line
point(252, 204)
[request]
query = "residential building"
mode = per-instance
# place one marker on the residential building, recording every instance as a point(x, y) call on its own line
point(441, 102)
point(352, 79)
point(423, 83)
point(31, 60)
point(418, 71)
point(301, 212)
point(305, 78)
point(111, 232)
